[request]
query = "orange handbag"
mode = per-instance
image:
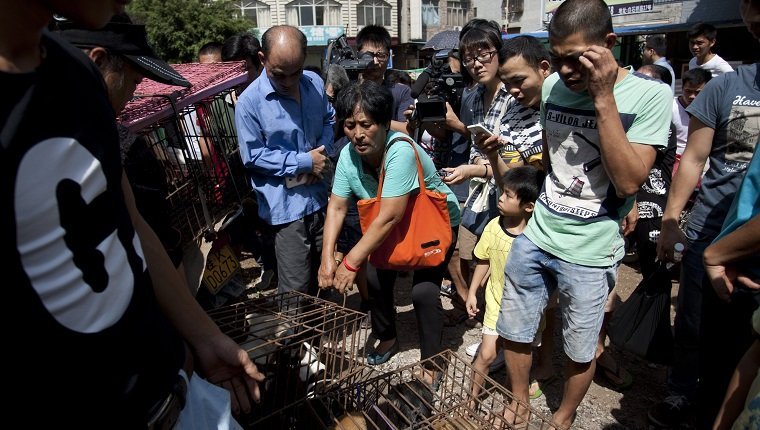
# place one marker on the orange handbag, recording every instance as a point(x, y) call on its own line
point(423, 236)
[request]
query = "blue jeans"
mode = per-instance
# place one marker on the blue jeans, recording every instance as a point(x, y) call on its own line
point(531, 277)
point(683, 376)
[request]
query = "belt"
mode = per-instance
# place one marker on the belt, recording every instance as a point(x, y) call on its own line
point(165, 412)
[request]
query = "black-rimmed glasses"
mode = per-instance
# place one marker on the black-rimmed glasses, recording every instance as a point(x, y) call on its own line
point(483, 58)
point(382, 56)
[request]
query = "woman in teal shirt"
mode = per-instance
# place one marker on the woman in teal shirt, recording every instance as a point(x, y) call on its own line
point(365, 112)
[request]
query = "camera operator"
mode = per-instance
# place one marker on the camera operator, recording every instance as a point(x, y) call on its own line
point(437, 88)
point(376, 41)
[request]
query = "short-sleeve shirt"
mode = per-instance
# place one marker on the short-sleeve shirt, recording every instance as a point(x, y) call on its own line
point(653, 194)
point(521, 126)
point(72, 258)
point(494, 246)
point(400, 174)
point(716, 65)
point(730, 105)
point(578, 214)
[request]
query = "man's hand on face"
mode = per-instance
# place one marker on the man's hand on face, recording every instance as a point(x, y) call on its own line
point(601, 70)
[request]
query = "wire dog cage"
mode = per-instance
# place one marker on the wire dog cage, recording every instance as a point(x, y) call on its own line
point(304, 345)
point(400, 400)
point(190, 133)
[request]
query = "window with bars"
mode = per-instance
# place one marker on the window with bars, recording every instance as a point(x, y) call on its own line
point(456, 13)
point(313, 12)
point(375, 12)
point(257, 13)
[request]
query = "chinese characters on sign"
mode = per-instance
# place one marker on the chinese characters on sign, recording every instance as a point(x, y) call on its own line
point(617, 7)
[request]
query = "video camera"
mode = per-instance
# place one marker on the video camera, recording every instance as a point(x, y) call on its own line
point(341, 53)
point(435, 86)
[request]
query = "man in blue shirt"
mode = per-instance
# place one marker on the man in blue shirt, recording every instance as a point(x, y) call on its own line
point(285, 128)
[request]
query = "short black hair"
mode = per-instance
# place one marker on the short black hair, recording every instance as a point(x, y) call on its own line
point(375, 100)
point(210, 48)
point(702, 29)
point(373, 34)
point(696, 76)
point(656, 42)
point(525, 181)
point(240, 47)
point(589, 17)
point(528, 47)
point(266, 42)
point(480, 35)
point(337, 77)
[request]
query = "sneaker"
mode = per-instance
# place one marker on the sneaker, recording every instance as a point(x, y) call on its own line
point(472, 350)
point(497, 364)
point(671, 412)
point(448, 289)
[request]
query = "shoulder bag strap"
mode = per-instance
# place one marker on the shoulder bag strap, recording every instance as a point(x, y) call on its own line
point(420, 173)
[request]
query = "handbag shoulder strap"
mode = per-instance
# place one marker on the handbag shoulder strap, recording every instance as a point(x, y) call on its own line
point(420, 176)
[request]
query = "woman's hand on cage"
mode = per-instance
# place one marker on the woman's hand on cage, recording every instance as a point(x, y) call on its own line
point(326, 273)
point(344, 279)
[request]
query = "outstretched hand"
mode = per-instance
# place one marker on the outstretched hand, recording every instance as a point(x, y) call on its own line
point(222, 362)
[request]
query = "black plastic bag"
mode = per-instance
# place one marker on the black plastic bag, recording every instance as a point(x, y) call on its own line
point(641, 324)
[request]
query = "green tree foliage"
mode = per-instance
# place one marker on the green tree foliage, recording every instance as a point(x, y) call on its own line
point(178, 28)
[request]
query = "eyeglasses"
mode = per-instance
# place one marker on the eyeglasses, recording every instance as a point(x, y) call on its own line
point(483, 58)
point(382, 56)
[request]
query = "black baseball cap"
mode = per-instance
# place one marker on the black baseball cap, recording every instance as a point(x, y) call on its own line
point(127, 39)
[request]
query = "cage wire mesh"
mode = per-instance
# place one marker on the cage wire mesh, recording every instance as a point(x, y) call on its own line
point(401, 400)
point(303, 344)
point(191, 134)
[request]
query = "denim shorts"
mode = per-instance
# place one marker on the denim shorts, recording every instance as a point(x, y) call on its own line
point(531, 276)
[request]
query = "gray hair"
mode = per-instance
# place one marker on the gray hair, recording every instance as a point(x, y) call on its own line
point(337, 77)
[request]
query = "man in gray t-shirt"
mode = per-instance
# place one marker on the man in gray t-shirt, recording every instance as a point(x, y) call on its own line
point(725, 125)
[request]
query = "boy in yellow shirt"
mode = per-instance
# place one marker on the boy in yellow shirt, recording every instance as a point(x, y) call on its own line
point(520, 187)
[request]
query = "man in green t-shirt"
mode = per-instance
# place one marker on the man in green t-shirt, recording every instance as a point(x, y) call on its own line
point(601, 124)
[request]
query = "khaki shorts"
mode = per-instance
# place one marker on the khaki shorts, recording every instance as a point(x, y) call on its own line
point(466, 244)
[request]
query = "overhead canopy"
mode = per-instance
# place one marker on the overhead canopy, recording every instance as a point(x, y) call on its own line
point(640, 29)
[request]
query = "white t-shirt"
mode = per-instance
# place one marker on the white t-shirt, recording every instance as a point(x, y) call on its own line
point(681, 122)
point(716, 65)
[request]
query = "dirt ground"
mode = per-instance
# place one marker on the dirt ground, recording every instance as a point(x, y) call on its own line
point(602, 408)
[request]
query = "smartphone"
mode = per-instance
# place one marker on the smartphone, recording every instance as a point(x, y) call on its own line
point(294, 181)
point(479, 128)
point(443, 173)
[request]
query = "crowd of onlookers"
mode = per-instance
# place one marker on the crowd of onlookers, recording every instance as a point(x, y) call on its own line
point(573, 157)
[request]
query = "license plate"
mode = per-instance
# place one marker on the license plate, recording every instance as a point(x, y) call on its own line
point(221, 265)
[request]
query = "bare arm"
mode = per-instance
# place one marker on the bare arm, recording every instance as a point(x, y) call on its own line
point(627, 165)
point(220, 359)
point(391, 212)
point(336, 212)
point(689, 171)
point(721, 257)
point(738, 388)
point(480, 273)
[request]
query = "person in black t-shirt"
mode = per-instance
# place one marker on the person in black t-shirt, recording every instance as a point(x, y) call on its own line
point(101, 342)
